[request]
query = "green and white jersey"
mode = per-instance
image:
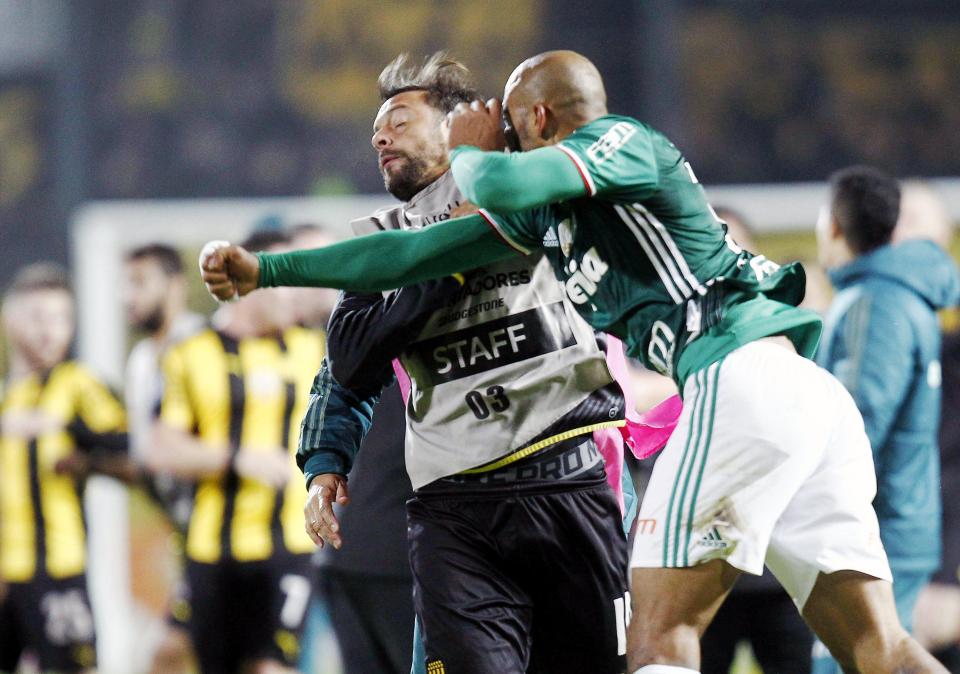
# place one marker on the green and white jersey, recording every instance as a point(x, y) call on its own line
point(643, 255)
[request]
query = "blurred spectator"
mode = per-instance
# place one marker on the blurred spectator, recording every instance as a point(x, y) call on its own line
point(923, 215)
point(58, 424)
point(758, 610)
point(937, 614)
point(155, 300)
point(312, 305)
point(882, 340)
point(233, 398)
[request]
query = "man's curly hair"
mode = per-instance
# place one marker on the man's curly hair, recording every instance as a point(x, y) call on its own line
point(445, 80)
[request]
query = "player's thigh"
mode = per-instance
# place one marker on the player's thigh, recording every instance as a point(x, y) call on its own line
point(273, 607)
point(476, 618)
point(11, 631)
point(59, 626)
point(212, 627)
point(847, 608)
point(668, 600)
point(907, 586)
point(578, 558)
point(741, 449)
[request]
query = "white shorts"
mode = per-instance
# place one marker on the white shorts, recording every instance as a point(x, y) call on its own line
point(769, 463)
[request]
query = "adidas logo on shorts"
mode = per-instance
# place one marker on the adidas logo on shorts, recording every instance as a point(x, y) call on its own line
point(713, 539)
point(550, 239)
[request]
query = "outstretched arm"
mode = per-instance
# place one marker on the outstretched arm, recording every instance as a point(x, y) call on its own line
point(373, 263)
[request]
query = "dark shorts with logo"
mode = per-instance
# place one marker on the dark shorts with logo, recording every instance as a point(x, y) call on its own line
point(51, 620)
point(515, 574)
point(242, 612)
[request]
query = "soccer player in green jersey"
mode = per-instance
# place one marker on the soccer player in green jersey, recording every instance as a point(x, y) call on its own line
point(769, 463)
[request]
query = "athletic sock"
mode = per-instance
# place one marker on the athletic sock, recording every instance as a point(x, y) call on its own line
point(664, 669)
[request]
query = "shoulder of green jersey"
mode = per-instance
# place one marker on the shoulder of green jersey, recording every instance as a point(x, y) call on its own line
point(612, 140)
point(501, 232)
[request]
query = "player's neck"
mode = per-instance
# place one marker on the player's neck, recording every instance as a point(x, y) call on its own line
point(238, 323)
point(170, 316)
point(582, 118)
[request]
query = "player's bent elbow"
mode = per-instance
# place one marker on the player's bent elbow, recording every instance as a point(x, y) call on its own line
point(345, 374)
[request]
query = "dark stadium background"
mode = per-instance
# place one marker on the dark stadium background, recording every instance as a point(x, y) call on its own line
point(123, 99)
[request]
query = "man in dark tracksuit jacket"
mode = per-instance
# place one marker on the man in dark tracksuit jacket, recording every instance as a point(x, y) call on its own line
point(882, 341)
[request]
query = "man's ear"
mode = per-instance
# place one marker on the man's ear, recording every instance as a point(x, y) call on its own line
point(836, 232)
point(546, 121)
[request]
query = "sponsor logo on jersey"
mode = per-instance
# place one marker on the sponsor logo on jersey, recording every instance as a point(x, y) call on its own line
point(660, 350)
point(476, 284)
point(550, 239)
point(492, 344)
point(581, 285)
point(608, 144)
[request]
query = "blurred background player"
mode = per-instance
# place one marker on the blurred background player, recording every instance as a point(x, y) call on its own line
point(58, 424)
point(757, 611)
point(155, 301)
point(312, 306)
point(882, 341)
point(232, 403)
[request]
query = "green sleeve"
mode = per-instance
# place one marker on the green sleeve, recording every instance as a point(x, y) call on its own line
point(517, 181)
point(388, 260)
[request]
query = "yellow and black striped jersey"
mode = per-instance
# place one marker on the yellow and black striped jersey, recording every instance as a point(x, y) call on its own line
point(41, 512)
point(248, 393)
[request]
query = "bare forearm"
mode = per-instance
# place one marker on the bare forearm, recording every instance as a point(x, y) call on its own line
point(177, 453)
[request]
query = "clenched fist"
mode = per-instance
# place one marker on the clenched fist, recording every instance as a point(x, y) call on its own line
point(229, 271)
point(476, 124)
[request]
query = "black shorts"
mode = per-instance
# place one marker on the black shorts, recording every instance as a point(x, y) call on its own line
point(50, 619)
point(528, 582)
point(241, 612)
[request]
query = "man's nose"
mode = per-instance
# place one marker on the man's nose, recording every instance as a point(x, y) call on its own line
point(381, 140)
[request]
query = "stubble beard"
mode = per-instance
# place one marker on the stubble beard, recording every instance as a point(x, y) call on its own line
point(405, 183)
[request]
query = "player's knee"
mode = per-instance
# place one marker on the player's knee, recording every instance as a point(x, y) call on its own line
point(173, 652)
point(648, 643)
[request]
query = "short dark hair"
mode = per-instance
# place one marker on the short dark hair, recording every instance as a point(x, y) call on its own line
point(306, 228)
point(166, 256)
point(40, 276)
point(263, 239)
point(445, 80)
point(865, 202)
